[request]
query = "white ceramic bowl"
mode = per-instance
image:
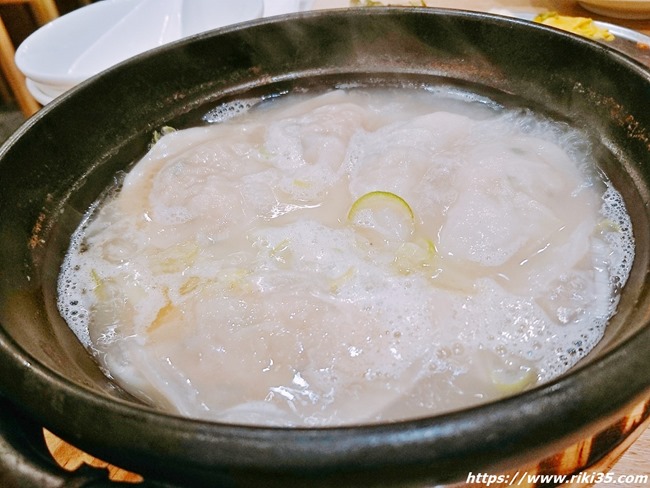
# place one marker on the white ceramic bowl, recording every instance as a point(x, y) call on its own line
point(622, 9)
point(44, 93)
point(88, 40)
point(37, 92)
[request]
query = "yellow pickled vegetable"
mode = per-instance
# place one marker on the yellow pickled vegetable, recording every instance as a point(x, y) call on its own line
point(582, 26)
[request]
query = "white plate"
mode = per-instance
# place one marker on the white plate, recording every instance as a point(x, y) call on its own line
point(622, 9)
point(37, 93)
point(88, 40)
point(49, 90)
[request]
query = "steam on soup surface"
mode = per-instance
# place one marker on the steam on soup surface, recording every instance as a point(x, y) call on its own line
point(353, 257)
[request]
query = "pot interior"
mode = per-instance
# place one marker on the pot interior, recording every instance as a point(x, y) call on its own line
point(70, 208)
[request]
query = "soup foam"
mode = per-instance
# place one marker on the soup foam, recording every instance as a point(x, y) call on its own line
point(353, 257)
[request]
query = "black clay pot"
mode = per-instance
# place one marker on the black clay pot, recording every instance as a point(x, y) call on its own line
point(61, 159)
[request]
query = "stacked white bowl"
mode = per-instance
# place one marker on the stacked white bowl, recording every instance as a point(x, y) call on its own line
point(84, 42)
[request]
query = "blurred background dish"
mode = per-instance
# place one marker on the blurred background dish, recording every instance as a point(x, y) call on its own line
point(86, 41)
point(622, 9)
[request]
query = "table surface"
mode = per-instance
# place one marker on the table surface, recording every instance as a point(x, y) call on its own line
point(636, 460)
